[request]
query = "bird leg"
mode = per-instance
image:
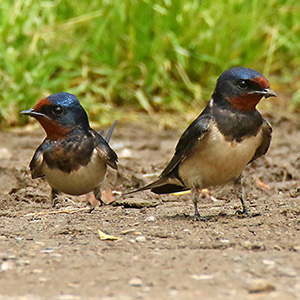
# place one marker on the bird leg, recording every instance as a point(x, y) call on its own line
point(240, 192)
point(195, 195)
point(54, 195)
point(97, 194)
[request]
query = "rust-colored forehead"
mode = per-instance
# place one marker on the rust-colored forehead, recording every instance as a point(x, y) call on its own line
point(41, 103)
point(262, 81)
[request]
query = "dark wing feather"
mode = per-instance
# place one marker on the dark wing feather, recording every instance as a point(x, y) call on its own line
point(193, 134)
point(266, 140)
point(37, 162)
point(162, 185)
point(169, 181)
point(105, 152)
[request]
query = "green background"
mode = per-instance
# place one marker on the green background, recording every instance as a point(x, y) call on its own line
point(133, 55)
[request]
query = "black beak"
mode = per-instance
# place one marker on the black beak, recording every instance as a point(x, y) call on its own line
point(27, 112)
point(265, 93)
point(31, 112)
point(269, 93)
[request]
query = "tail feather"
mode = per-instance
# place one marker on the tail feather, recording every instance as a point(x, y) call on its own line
point(110, 131)
point(163, 185)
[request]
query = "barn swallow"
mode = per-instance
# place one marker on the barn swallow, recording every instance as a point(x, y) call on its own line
point(73, 157)
point(228, 135)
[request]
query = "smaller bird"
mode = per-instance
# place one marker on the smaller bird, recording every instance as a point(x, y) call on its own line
point(73, 158)
point(229, 134)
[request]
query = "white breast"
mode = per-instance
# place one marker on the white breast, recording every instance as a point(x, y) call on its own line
point(81, 181)
point(215, 161)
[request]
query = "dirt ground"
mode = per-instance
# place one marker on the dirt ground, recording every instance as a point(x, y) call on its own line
point(161, 253)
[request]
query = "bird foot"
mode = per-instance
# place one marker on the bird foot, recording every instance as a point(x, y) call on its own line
point(197, 217)
point(67, 200)
point(247, 213)
point(91, 210)
point(101, 202)
point(54, 202)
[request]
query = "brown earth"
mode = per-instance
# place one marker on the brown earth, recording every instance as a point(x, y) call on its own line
point(162, 253)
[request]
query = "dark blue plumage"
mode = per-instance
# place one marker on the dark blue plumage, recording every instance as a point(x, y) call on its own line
point(226, 136)
point(73, 157)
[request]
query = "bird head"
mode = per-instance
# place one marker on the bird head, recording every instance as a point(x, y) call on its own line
point(59, 114)
point(242, 88)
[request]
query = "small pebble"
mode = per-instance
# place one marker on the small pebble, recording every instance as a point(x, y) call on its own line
point(267, 262)
point(140, 239)
point(68, 297)
point(296, 248)
point(146, 289)
point(288, 272)
point(43, 279)
point(125, 153)
point(259, 285)
point(6, 265)
point(150, 219)
point(224, 241)
point(47, 250)
point(135, 282)
point(5, 153)
point(278, 248)
point(237, 259)
point(254, 246)
point(202, 276)
point(173, 292)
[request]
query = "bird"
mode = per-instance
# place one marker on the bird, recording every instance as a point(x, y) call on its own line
point(73, 158)
point(229, 134)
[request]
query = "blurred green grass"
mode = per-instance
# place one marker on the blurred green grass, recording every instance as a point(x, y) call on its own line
point(119, 56)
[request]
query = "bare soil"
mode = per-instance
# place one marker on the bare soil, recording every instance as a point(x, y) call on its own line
point(161, 253)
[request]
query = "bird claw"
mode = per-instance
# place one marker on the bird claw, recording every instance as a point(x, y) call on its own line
point(54, 202)
point(101, 202)
point(246, 213)
point(91, 210)
point(197, 217)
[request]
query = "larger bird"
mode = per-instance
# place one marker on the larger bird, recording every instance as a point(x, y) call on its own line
point(229, 134)
point(73, 157)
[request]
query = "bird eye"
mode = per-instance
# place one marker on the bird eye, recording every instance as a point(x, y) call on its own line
point(242, 84)
point(57, 110)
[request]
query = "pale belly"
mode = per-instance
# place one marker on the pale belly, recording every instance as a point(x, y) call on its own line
point(81, 181)
point(216, 161)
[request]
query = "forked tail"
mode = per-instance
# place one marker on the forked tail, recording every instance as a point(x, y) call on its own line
point(110, 131)
point(163, 185)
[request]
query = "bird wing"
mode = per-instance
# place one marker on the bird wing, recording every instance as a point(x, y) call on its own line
point(266, 140)
point(107, 154)
point(168, 181)
point(189, 139)
point(37, 162)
